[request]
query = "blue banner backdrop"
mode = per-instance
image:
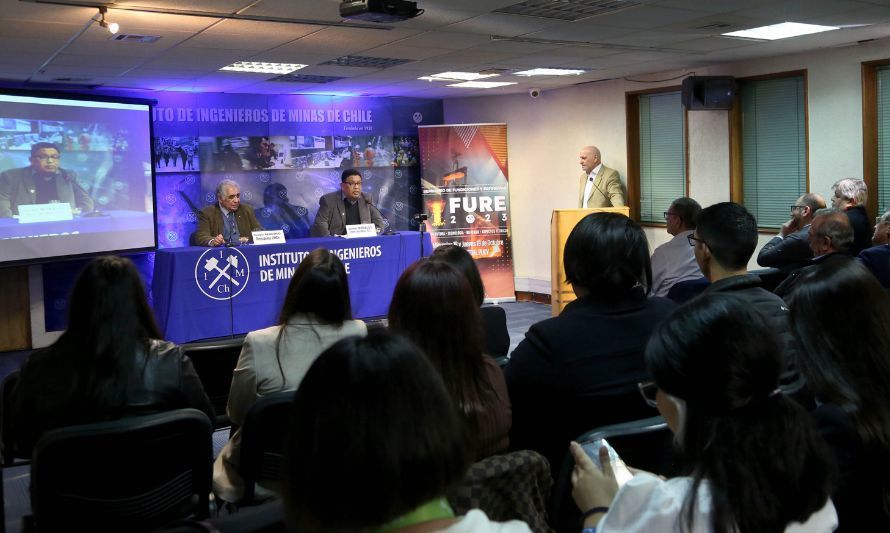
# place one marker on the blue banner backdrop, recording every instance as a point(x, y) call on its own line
point(284, 150)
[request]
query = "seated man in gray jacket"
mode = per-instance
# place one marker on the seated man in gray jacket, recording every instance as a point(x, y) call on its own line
point(790, 249)
point(345, 207)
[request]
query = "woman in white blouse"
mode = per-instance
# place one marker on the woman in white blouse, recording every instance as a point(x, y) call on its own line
point(315, 315)
point(750, 459)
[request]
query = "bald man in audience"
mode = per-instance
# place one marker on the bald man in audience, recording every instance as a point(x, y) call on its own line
point(600, 185)
point(831, 236)
point(723, 242)
point(674, 261)
point(850, 196)
point(877, 258)
point(790, 249)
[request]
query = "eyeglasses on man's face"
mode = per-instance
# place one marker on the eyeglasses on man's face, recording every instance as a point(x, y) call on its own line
point(43, 157)
point(648, 390)
point(668, 214)
point(795, 207)
point(353, 183)
point(692, 240)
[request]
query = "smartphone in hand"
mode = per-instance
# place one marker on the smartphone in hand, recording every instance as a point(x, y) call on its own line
point(622, 474)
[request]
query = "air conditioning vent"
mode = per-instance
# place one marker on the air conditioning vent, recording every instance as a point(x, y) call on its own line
point(305, 78)
point(366, 62)
point(133, 38)
point(566, 9)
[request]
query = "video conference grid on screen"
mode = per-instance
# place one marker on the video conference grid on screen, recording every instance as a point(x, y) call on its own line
point(75, 177)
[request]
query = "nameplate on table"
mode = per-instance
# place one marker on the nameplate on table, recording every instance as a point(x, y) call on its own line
point(360, 230)
point(274, 236)
point(53, 212)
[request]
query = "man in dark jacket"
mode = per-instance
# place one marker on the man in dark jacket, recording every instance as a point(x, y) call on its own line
point(790, 249)
point(850, 196)
point(724, 241)
point(831, 237)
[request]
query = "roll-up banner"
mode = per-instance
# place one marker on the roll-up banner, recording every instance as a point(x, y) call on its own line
point(466, 198)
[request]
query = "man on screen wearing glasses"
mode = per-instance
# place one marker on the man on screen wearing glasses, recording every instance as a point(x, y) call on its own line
point(43, 182)
point(347, 206)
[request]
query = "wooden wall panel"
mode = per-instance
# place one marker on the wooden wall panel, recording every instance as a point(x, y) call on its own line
point(15, 319)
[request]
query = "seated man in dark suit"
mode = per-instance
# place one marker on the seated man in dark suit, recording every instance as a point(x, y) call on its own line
point(41, 183)
point(850, 196)
point(790, 249)
point(348, 206)
point(226, 221)
point(831, 236)
point(877, 258)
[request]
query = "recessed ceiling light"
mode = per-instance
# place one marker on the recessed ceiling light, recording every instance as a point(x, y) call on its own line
point(264, 68)
point(549, 72)
point(481, 84)
point(456, 76)
point(780, 31)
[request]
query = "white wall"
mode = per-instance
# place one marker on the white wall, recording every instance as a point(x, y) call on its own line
point(544, 136)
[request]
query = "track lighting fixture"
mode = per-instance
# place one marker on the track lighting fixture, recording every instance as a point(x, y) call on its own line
point(112, 27)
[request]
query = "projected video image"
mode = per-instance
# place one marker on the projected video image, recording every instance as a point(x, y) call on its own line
point(69, 168)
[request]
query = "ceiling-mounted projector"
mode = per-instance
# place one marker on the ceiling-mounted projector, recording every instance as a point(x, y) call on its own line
point(379, 10)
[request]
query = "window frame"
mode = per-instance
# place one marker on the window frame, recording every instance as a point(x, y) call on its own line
point(870, 130)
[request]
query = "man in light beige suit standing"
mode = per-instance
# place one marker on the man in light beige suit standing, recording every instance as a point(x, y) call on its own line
point(600, 185)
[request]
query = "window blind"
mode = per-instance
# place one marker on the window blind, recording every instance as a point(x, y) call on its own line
point(662, 154)
point(883, 78)
point(774, 147)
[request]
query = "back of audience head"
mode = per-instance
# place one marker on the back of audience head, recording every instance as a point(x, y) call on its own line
point(108, 321)
point(809, 203)
point(729, 233)
point(882, 230)
point(845, 359)
point(716, 363)
point(684, 211)
point(428, 295)
point(830, 231)
point(319, 287)
point(463, 262)
point(849, 192)
point(607, 256)
point(108, 305)
point(373, 435)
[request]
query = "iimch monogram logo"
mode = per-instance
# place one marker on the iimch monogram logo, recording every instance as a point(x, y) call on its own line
point(222, 273)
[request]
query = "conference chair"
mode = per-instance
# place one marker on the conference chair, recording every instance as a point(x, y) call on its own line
point(215, 363)
point(262, 442)
point(511, 486)
point(132, 474)
point(646, 444)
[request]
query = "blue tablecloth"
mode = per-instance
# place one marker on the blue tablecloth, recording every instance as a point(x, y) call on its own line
point(201, 293)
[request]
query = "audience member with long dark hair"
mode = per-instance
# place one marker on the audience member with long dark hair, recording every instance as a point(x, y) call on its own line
point(749, 458)
point(110, 361)
point(495, 337)
point(580, 370)
point(433, 305)
point(374, 443)
point(316, 314)
point(841, 316)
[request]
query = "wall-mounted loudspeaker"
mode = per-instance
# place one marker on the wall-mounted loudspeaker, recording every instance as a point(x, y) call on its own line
point(708, 92)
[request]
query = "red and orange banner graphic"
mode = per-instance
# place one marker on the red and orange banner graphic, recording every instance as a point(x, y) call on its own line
point(466, 196)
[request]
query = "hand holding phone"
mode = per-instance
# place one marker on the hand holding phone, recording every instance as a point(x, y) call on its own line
point(622, 474)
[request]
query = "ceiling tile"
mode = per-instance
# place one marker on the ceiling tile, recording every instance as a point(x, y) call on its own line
point(500, 24)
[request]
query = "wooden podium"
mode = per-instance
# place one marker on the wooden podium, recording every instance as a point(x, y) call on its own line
point(561, 224)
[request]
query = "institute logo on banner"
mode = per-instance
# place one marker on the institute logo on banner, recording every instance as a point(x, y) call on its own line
point(222, 273)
